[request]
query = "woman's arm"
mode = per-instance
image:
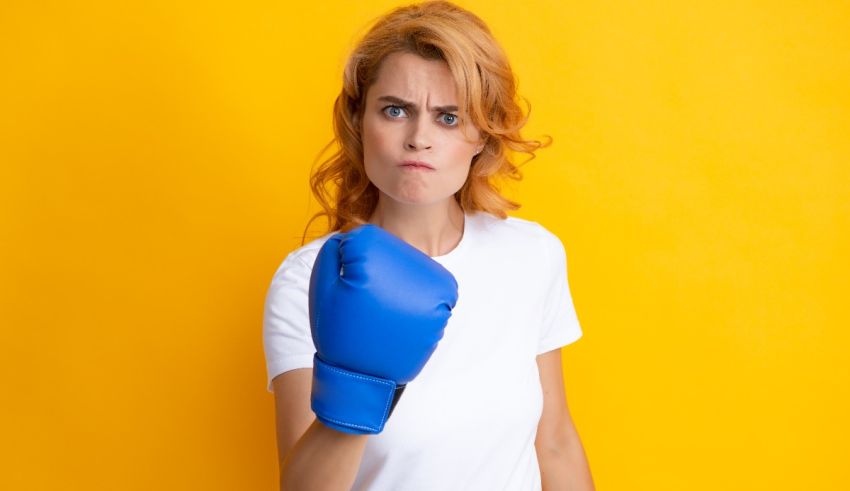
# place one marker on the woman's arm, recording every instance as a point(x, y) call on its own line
point(563, 464)
point(312, 456)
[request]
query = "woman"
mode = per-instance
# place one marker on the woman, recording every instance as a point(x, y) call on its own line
point(426, 116)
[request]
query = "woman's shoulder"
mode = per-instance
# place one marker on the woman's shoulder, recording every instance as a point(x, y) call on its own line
point(515, 227)
point(304, 256)
point(528, 242)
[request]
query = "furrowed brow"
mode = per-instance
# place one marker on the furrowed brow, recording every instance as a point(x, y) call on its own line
point(403, 103)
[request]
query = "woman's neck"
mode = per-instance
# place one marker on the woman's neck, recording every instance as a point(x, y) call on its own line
point(435, 230)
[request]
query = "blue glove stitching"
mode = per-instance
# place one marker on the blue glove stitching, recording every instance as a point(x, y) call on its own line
point(367, 378)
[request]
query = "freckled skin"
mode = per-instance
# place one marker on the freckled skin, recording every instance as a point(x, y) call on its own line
point(393, 134)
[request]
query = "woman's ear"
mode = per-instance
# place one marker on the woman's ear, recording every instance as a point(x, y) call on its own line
point(357, 116)
point(481, 145)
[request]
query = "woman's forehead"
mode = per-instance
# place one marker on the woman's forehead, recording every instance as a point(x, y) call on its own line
point(411, 77)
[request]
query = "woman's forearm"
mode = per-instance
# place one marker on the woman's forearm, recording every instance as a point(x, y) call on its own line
point(565, 467)
point(322, 459)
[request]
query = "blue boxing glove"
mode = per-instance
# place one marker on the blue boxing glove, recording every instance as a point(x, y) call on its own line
point(378, 308)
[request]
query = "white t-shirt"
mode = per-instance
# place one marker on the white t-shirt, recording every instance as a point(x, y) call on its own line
point(468, 421)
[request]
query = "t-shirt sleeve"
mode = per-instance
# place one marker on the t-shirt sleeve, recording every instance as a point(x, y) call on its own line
point(560, 322)
point(287, 339)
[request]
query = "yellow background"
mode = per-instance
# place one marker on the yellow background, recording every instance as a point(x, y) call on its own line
point(154, 174)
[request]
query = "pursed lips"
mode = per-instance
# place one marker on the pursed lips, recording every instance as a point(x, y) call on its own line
point(416, 164)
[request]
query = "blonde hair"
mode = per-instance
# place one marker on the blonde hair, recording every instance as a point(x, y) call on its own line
point(486, 87)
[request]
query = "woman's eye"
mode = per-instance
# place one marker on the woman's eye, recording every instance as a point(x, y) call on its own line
point(391, 111)
point(451, 119)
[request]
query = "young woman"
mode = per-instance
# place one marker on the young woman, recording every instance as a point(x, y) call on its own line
point(416, 345)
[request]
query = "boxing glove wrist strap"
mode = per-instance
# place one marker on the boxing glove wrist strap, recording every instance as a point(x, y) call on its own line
point(350, 401)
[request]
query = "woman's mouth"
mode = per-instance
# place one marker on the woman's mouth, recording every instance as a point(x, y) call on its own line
point(416, 165)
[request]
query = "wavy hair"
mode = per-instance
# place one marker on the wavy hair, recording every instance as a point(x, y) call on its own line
point(487, 91)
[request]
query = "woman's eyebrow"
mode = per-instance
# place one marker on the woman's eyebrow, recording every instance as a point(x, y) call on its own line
point(403, 103)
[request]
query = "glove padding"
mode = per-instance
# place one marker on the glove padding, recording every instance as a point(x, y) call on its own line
point(378, 308)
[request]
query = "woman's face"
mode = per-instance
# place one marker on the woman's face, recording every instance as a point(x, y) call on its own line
point(411, 114)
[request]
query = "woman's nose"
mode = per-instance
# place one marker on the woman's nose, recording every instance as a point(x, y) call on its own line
point(419, 137)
